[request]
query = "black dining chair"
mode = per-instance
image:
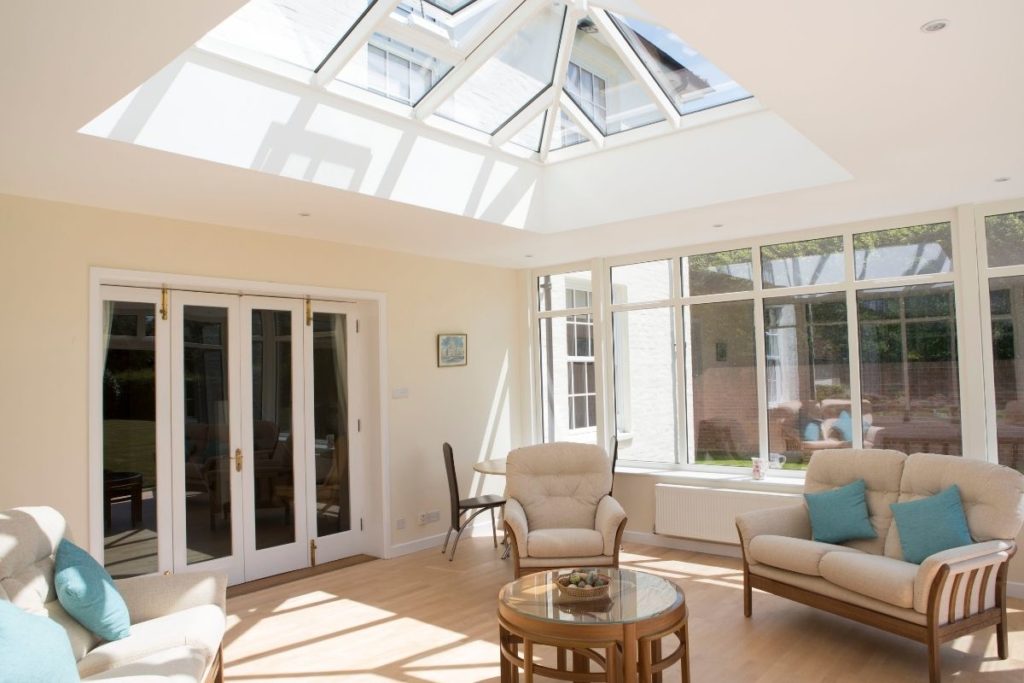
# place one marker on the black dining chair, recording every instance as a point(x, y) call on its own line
point(464, 505)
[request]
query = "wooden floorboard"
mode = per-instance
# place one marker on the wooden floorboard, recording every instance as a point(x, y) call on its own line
point(288, 577)
point(420, 618)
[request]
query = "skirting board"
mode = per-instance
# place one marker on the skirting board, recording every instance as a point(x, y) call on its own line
point(479, 527)
point(1014, 589)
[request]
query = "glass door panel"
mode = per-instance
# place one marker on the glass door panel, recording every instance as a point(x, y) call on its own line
point(130, 435)
point(275, 536)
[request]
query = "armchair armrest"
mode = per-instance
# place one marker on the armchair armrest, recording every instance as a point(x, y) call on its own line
point(515, 521)
point(609, 516)
point(962, 560)
point(790, 520)
point(155, 595)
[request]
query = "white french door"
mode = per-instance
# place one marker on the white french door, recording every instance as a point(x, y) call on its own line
point(251, 461)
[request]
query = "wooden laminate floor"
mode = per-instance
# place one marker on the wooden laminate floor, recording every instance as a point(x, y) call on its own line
point(422, 619)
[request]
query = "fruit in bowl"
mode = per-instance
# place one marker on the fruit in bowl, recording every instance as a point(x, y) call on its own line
point(584, 583)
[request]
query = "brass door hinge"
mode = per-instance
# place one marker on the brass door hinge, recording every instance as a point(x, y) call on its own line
point(309, 312)
point(312, 552)
point(238, 460)
point(165, 296)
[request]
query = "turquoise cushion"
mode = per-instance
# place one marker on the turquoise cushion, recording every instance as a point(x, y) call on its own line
point(844, 426)
point(87, 593)
point(931, 525)
point(840, 514)
point(33, 648)
point(812, 431)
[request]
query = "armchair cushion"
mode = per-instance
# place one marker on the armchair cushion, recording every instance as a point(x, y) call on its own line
point(876, 576)
point(609, 516)
point(931, 525)
point(154, 595)
point(515, 519)
point(791, 521)
point(795, 554)
point(564, 543)
point(559, 484)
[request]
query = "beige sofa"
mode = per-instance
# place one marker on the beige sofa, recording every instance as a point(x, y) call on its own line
point(559, 510)
point(177, 620)
point(948, 595)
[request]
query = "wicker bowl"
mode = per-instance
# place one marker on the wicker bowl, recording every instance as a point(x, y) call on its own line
point(579, 594)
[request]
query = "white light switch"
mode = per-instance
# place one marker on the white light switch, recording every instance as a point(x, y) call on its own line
point(400, 392)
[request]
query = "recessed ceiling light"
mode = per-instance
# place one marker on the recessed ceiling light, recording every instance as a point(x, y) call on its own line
point(718, 225)
point(934, 25)
point(527, 255)
point(304, 214)
point(1002, 179)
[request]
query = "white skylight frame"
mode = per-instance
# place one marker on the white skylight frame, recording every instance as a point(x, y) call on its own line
point(468, 54)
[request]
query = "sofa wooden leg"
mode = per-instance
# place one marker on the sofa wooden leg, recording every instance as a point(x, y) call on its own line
point(1002, 646)
point(934, 658)
point(748, 598)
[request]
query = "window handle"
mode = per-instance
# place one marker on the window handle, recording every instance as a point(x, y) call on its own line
point(238, 460)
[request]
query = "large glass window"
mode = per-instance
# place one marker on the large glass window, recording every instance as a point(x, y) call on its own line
point(901, 252)
point(807, 364)
point(717, 273)
point(640, 282)
point(809, 262)
point(721, 379)
point(1006, 301)
point(1005, 236)
point(645, 385)
point(393, 69)
point(908, 368)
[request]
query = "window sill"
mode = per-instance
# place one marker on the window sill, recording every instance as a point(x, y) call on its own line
point(779, 483)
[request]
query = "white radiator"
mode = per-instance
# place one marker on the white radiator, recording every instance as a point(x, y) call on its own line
point(709, 514)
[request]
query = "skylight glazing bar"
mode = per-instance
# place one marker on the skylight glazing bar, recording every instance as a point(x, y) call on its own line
point(524, 116)
point(353, 41)
point(490, 46)
point(581, 120)
point(488, 26)
point(414, 36)
point(636, 67)
point(572, 15)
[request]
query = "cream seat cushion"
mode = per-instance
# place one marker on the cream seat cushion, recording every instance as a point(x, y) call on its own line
point(794, 554)
point(564, 543)
point(176, 665)
point(876, 576)
point(559, 484)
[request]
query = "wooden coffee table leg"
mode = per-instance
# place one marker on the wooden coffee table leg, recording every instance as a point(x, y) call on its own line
point(684, 664)
point(506, 675)
point(560, 659)
point(528, 661)
point(656, 657)
point(629, 658)
point(580, 663)
point(646, 655)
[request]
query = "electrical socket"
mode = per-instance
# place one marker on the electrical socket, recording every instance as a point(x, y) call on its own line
point(400, 523)
point(429, 517)
point(423, 518)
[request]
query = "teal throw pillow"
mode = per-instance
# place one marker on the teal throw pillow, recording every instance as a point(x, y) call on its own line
point(844, 426)
point(931, 525)
point(812, 431)
point(33, 648)
point(840, 514)
point(87, 593)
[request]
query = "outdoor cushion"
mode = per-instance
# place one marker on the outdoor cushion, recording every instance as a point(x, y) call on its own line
point(875, 576)
point(87, 592)
point(843, 426)
point(931, 525)
point(33, 649)
point(564, 543)
point(794, 554)
point(840, 515)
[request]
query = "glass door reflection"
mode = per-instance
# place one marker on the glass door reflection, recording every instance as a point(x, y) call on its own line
point(331, 442)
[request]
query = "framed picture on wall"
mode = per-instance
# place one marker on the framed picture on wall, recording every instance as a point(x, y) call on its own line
point(452, 350)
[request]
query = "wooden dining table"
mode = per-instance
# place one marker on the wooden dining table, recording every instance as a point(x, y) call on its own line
point(494, 466)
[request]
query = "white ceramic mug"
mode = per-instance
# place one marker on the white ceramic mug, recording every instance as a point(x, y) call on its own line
point(776, 460)
point(757, 468)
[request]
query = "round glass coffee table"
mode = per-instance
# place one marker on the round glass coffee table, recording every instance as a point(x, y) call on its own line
point(621, 633)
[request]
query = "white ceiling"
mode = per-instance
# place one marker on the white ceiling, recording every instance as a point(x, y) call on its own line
point(919, 122)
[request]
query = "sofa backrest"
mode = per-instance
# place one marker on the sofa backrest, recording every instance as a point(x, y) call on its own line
point(992, 495)
point(881, 471)
point(559, 484)
point(28, 539)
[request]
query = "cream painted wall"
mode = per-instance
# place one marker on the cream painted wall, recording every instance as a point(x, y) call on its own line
point(47, 249)
point(636, 493)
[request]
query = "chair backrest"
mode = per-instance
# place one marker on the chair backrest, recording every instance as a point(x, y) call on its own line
point(992, 495)
point(29, 537)
point(881, 471)
point(559, 484)
point(453, 483)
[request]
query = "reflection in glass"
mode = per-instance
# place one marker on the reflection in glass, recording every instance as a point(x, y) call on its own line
point(914, 250)
point(207, 434)
point(558, 292)
point(566, 133)
point(530, 136)
point(301, 32)
point(129, 439)
point(645, 385)
point(718, 273)
point(639, 282)
point(512, 78)
point(686, 77)
point(1006, 298)
point(447, 17)
point(568, 389)
point(908, 368)
point(330, 424)
point(273, 466)
point(393, 69)
point(721, 374)
point(807, 366)
point(810, 262)
point(1004, 235)
point(603, 87)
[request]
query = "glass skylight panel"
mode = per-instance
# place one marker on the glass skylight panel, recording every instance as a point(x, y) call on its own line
point(530, 136)
point(687, 78)
point(510, 79)
point(450, 6)
point(603, 87)
point(566, 133)
point(457, 23)
point(393, 69)
point(300, 32)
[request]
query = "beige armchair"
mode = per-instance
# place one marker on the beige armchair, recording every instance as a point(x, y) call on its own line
point(559, 511)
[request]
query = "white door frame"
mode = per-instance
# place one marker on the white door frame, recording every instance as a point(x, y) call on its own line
point(377, 513)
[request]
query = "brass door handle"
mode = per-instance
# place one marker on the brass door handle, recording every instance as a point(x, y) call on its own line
point(238, 460)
